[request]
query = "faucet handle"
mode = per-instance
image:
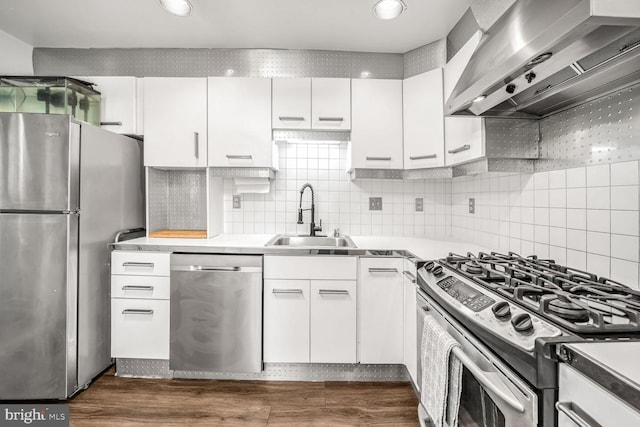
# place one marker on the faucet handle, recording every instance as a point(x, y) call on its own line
point(318, 227)
point(336, 232)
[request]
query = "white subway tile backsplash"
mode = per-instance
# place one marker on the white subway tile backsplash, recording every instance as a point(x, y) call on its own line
point(625, 247)
point(558, 236)
point(576, 177)
point(625, 222)
point(541, 180)
point(598, 243)
point(559, 254)
point(625, 272)
point(577, 219)
point(598, 264)
point(599, 220)
point(558, 198)
point(558, 179)
point(577, 240)
point(624, 197)
point(624, 173)
point(598, 198)
point(598, 176)
point(541, 234)
point(577, 198)
point(577, 259)
point(558, 217)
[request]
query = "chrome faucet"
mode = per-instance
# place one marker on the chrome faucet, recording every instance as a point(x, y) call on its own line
point(314, 228)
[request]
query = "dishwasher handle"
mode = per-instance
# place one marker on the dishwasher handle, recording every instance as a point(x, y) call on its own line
point(216, 269)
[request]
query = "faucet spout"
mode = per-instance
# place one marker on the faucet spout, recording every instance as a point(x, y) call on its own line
point(313, 227)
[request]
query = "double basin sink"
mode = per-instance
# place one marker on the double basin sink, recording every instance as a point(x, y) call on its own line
point(284, 240)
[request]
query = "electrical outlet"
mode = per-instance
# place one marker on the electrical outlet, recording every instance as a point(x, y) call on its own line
point(419, 204)
point(237, 201)
point(472, 205)
point(375, 203)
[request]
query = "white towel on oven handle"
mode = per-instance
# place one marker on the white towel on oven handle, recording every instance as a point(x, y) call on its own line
point(441, 374)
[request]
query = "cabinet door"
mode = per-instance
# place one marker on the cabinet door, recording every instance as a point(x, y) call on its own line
point(376, 124)
point(239, 121)
point(463, 136)
point(175, 120)
point(381, 310)
point(286, 321)
point(118, 103)
point(331, 104)
point(423, 120)
point(291, 103)
point(139, 328)
point(410, 321)
point(333, 321)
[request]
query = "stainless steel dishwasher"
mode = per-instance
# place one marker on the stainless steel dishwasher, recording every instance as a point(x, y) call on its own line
point(216, 313)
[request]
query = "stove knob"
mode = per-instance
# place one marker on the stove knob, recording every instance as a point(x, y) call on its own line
point(437, 271)
point(501, 310)
point(522, 323)
point(429, 265)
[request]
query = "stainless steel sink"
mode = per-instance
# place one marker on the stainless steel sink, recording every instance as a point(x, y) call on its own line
point(311, 241)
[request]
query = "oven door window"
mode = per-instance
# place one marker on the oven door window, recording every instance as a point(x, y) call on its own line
point(476, 407)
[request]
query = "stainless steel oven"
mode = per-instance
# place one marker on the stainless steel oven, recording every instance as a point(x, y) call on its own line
point(492, 394)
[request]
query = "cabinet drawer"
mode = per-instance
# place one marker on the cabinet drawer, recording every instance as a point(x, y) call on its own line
point(145, 287)
point(310, 267)
point(139, 328)
point(140, 263)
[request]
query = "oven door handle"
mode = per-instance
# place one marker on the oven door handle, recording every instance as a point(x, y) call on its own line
point(496, 386)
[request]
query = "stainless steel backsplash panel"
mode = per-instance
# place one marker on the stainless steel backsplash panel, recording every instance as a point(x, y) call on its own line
point(606, 130)
point(512, 138)
point(215, 62)
point(425, 58)
point(177, 199)
point(461, 33)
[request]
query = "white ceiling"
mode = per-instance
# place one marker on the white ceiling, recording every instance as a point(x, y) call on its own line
point(285, 24)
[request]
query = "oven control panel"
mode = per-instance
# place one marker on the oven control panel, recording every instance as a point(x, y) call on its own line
point(465, 294)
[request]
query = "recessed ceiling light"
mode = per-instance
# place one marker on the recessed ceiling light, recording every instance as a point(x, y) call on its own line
point(389, 9)
point(177, 7)
point(230, 72)
point(365, 74)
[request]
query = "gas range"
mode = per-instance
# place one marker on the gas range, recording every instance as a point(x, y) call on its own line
point(523, 306)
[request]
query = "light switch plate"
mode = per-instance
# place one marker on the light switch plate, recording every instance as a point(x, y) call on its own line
point(375, 203)
point(472, 205)
point(237, 201)
point(419, 204)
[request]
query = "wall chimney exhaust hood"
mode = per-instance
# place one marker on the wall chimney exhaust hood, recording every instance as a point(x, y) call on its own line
point(543, 56)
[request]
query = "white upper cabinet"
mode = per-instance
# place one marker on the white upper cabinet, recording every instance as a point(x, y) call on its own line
point(305, 103)
point(291, 103)
point(464, 136)
point(376, 124)
point(331, 104)
point(119, 103)
point(240, 122)
point(423, 102)
point(175, 116)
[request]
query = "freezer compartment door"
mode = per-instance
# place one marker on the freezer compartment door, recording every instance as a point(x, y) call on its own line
point(39, 162)
point(38, 282)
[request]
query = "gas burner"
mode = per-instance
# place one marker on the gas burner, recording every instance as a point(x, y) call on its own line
point(472, 267)
point(566, 309)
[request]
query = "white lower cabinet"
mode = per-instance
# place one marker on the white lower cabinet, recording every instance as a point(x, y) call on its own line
point(139, 328)
point(286, 321)
point(310, 309)
point(140, 291)
point(333, 321)
point(381, 310)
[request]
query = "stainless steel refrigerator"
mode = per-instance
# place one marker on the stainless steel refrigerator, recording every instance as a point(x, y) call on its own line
point(66, 188)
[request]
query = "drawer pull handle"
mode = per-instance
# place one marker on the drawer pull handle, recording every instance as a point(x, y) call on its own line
point(333, 292)
point(410, 276)
point(382, 270)
point(426, 156)
point(330, 119)
point(196, 144)
point(291, 119)
point(138, 264)
point(239, 156)
point(137, 311)
point(382, 159)
point(137, 288)
point(287, 291)
point(460, 149)
point(569, 409)
point(110, 123)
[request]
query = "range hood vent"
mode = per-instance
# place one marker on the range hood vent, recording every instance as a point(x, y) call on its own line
point(543, 56)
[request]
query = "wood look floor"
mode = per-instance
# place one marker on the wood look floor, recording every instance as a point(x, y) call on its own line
point(123, 402)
